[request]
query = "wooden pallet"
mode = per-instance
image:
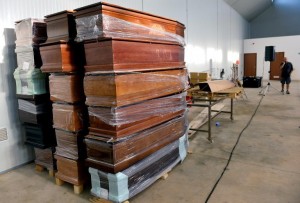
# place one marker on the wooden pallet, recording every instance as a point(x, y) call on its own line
point(78, 189)
point(40, 168)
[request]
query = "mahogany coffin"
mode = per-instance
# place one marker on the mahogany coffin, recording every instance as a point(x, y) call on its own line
point(70, 145)
point(69, 117)
point(61, 26)
point(122, 121)
point(62, 57)
point(36, 114)
point(45, 157)
point(40, 136)
point(139, 176)
point(117, 55)
point(114, 90)
point(108, 20)
point(71, 171)
point(113, 157)
point(66, 88)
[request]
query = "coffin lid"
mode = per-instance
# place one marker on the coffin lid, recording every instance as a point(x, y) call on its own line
point(102, 39)
point(60, 13)
point(100, 4)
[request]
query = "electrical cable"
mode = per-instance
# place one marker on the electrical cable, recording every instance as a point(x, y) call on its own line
point(232, 151)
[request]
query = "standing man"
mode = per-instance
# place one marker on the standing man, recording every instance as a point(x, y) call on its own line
point(286, 70)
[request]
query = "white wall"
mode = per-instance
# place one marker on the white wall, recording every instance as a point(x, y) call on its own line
point(289, 44)
point(214, 38)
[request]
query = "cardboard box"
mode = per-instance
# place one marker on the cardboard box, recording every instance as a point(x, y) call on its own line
point(199, 77)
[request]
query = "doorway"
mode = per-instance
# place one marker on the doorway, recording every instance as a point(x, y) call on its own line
point(275, 66)
point(250, 64)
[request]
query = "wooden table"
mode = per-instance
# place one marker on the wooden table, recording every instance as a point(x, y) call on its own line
point(210, 99)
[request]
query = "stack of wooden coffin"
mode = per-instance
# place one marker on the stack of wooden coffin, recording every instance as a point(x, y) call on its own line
point(135, 82)
point(32, 91)
point(63, 58)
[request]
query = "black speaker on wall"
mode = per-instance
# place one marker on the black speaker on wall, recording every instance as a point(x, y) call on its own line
point(269, 53)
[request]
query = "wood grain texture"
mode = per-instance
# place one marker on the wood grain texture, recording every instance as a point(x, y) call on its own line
point(117, 55)
point(114, 90)
point(70, 145)
point(113, 157)
point(66, 88)
point(61, 26)
point(71, 171)
point(69, 117)
point(131, 16)
point(120, 122)
point(62, 57)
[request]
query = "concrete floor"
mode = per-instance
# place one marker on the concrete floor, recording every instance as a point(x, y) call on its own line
point(265, 166)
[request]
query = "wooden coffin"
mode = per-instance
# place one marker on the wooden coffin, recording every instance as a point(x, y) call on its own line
point(113, 157)
point(45, 158)
point(35, 113)
point(117, 55)
point(71, 171)
point(108, 20)
point(62, 57)
point(40, 136)
point(131, 181)
point(122, 121)
point(113, 90)
point(70, 145)
point(69, 117)
point(61, 26)
point(29, 56)
point(66, 88)
point(30, 31)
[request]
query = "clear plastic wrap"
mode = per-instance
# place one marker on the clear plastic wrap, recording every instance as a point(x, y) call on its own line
point(102, 25)
point(30, 81)
point(140, 111)
point(131, 181)
point(114, 90)
point(30, 31)
point(114, 156)
point(28, 56)
point(69, 117)
point(70, 145)
point(32, 108)
point(66, 88)
point(122, 121)
point(44, 157)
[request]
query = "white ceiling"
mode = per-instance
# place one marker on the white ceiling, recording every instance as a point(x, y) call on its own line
point(249, 9)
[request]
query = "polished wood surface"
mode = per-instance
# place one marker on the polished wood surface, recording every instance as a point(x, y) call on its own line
point(71, 171)
point(70, 145)
point(132, 16)
point(66, 88)
point(120, 122)
point(116, 156)
point(69, 117)
point(61, 26)
point(62, 57)
point(124, 89)
point(118, 55)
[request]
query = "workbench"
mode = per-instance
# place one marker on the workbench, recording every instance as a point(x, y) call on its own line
point(209, 99)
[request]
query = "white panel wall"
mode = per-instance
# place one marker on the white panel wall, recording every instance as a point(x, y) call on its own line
point(290, 45)
point(214, 38)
